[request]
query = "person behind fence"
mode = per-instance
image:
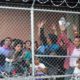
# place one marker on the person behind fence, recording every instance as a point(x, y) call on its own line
point(76, 71)
point(5, 51)
point(26, 45)
point(5, 47)
point(40, 68)
point(73, 50)
point(13, 64)
point(27, 55)
point(49, 42)
point(49, 46)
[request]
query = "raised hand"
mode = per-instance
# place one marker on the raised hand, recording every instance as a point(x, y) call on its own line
point(62, 28)
point(40, 24)
point(53, 26)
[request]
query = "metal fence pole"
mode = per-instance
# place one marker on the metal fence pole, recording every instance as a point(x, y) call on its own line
point(32, 40)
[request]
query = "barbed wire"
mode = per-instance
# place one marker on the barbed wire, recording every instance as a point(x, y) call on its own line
point(42, 1)
point(56, 3)
point(25, 0)
point(70, 5)
point(59, 3)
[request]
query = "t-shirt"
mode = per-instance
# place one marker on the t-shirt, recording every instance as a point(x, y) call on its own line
point(27, 56)
point(76, 74)
point(74, 57)
point(47, 49)
point(76, 70)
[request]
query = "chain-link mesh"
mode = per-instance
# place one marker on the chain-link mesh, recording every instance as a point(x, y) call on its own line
point(57, 59)
point(54, 34)
point(15, 42)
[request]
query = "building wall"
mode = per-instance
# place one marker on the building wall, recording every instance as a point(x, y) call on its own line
point(16, 23)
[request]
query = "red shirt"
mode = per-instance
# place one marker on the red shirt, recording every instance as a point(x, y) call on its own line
point(70, 47)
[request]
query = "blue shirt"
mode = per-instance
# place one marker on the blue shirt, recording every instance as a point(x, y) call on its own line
point(5, 51)
point(46, 49)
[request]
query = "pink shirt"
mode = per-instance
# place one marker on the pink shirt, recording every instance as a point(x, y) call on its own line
point(70, 47)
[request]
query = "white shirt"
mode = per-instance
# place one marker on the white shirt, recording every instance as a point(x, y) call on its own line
point(76, 70)
point(74, 57)
point(76, 74)
point(40, 66)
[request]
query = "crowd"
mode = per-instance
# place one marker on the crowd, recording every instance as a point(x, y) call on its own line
point(16, 55)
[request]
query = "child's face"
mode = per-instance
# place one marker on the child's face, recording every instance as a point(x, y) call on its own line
point(36, 61)
point(28, 44)
point(18, 47)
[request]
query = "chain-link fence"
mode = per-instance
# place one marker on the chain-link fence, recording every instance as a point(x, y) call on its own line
point(39, 45)
point(52, 56)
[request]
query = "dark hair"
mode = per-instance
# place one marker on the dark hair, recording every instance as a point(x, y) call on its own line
point(14, 39)
point(53, 38)
point(9, 38)
point(77, 37)
point(2, 42)
point(18, 41)
point(28, 41)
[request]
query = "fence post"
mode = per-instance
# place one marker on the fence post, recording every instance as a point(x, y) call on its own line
point(32, 40)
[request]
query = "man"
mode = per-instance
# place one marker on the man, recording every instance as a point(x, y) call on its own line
point(49, 46)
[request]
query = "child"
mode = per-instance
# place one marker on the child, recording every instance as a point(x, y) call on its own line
point(40, 68)
point(27, 54)
point(76, 71)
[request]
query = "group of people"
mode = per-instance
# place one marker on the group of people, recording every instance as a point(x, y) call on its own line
point(60, 45)
point(16, 58)
point(16, 55)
